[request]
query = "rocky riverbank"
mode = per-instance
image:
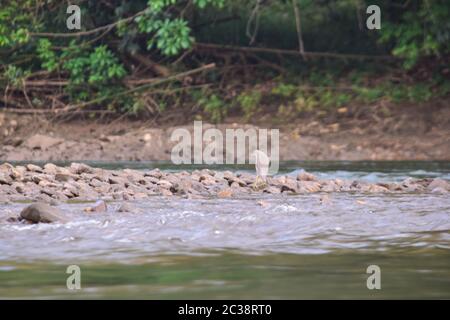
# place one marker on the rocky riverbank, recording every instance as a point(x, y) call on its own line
point(80, 182)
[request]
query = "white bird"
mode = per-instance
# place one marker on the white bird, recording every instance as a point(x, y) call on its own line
point(262, 163)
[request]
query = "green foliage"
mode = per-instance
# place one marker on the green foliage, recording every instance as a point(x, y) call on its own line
point(414, 93)
point(421, 31)
point(94, 65)
point(47, 55)
point(249, 102)
point(103, 66)
point(203, 3)
point(284, 90)
point(214, 106)
point(305, 103)
point(172, 37)
point(15, 75)
point(368, 95)
point(98, 67)
point(13, 23)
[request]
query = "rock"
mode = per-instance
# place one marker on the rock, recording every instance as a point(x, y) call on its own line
point(241, 182)
point(225, 193)
point(235, 185)
point(286, 184)
point(263, 203)
point(207, 180)
point(195, 196)
point(41, 212)
point(118, 196)
point(118, 181)
point(61, 177)
point(165, 184)
point(166, 192)
point(325, 199)
point(329, 186)
point(50, 168)
point(99, 206)
point(18, 172)
point(272, 190)
point(135, 176)
point(140, 196)
point(5, 178)
point(378, 188)
point(19, 187)
point(13, 219)
point(306, 176)
point(373, 188)
point(70, 190)
point(439, 183)
point(411, 185)
point(156, 173)
point(207, 172)
point(126, 207)
point(6, 167)
point(248, 178)
point(43, 142)
point(439, 190)
point(309, 186)
point(96, 183)
point(19, 198)
point(79, 168)
point(4, 200)
point(60, 196)
point(394, 186)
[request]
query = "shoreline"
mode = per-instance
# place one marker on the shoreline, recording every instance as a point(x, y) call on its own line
point(410, 133)
point(80, 182)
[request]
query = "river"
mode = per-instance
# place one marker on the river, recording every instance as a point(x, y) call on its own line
point(264, 247)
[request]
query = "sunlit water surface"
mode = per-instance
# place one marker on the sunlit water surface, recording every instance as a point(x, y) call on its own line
point(301, 246)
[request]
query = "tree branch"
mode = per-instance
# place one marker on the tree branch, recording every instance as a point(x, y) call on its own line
point(107, 28)
point(292, 52)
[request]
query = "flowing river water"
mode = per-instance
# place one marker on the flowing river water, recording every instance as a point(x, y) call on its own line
point(265, 247)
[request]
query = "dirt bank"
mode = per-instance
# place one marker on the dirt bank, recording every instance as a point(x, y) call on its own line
point(406, 133)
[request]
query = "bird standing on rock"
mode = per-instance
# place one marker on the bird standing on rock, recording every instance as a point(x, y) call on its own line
point(262, 163)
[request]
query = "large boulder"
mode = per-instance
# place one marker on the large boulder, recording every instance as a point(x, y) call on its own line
point(41, 212)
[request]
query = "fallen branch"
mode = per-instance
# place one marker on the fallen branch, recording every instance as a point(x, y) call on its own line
point(146, 86)
point(155, 67)
point(291, 52)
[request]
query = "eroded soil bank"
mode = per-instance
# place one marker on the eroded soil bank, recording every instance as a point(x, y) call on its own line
point(81, 182)
point(407, 133)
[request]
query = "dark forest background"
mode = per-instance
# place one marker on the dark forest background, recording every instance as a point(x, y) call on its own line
point(211, 59)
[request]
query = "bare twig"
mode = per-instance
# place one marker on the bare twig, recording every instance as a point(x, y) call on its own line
point(107, 27)
point(254, 16)
point(298, 25)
